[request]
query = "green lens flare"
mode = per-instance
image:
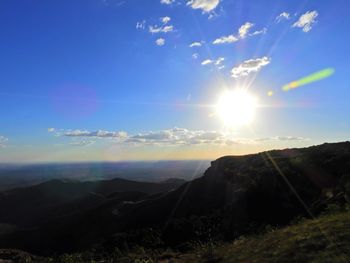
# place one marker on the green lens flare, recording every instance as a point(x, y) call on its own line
point(325, 73)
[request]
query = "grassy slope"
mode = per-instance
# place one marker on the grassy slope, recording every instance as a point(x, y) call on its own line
point(321, 240)
point(325, 239)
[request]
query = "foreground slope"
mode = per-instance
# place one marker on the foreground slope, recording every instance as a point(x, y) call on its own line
point(324, 239)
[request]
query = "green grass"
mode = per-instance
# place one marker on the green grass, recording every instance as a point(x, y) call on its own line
point(321, 240)
point(325, 239)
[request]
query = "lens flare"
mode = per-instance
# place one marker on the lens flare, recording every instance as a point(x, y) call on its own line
point(325, 73)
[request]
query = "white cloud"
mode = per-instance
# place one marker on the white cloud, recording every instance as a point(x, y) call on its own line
point(167, 2)
point(195, 55)
point(206, 62)
point(289, 138)
point(165, 19)
point(282, 16)
point(3, 141)
point(225, 39)
point(248, 66)
point(172, 137)
point(98, 134)
point(216, 62)
point(242, 33)
point(81, 143)
point(306, 21)
point(258, 32)
point(160, 41)
point(219, 61)
point(281, 138)
point(141, 25)
point(162, 29)
point(179, 136)
point(244, 29)
point(51, 129)
point(205, 5)
point(195, 44)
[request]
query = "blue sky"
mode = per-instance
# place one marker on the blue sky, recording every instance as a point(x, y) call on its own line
point(119, 80)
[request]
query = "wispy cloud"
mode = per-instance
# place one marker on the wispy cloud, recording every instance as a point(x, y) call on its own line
point(167, 2)
point(82, 143)
point(165, 19)
point(205, 5)
point(244, 29)
point(207, 62)
point(289, 138)
point(181, 136)
point(97, 134)
point(306, 21)
point(195, 55)
point(219, 60)
point(282, 16)
point(160, 29)
point(141, 25)
point(3, 141)
point(154, 29)
point(242, 33)
point(216, 62)
point(259, 32)
point(160, 41)
point(225, 40)
point(281, 138)
point(248, 66)
point(171, 137)
point(196, 44)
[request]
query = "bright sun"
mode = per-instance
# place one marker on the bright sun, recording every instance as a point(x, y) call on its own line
point(236, 107)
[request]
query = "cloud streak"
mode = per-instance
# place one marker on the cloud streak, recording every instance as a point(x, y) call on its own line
point(97, 134)
point(195, 44)
point(167, 2)
point(3, 141)
point(82, 143)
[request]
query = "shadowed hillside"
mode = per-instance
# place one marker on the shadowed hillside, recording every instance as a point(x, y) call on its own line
point(237, 195)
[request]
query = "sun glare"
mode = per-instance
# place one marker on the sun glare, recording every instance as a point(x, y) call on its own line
point(236, 107)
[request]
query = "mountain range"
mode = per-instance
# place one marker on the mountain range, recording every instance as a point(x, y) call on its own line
point(235, 196)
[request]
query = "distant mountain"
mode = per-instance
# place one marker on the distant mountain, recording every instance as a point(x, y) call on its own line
point(31, 205)
point(235, 194)
point(16, 175)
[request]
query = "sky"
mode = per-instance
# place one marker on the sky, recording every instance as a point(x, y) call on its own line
point(110, 80)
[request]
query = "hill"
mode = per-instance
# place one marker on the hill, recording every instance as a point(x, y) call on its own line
point(237, 195)
point(31, 206)
point(24, 175)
